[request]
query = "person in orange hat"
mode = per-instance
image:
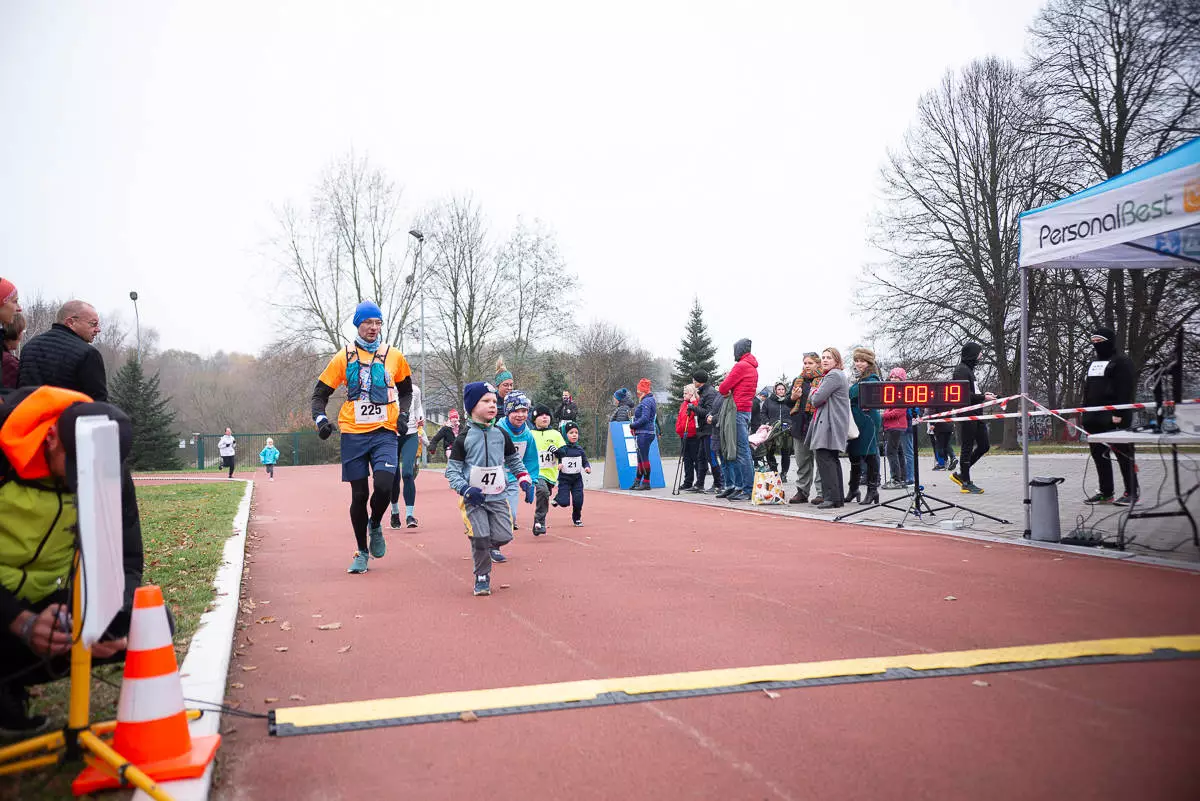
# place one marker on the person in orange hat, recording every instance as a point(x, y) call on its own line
point(37, 544)
point(643, 427)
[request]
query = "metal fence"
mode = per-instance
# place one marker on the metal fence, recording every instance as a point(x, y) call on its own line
point(295, 448)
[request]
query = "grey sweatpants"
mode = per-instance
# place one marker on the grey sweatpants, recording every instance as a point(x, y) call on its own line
point(489, 526)
point(541, 495)
point(805, 472)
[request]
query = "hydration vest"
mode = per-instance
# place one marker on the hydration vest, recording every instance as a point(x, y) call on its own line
point(381, 389)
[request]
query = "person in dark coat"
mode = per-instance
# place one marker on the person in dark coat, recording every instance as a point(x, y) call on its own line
point(776, 410)
point(708, 401)
point(623, 400)
point(973, 439)
point(64, 356)
point(865, 447)
point(567, 410)
point(443, 440)
point(1111, 379)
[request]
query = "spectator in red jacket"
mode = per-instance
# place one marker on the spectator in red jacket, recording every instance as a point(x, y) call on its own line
point(740, 385)
point(685, 427)
point(896, 432)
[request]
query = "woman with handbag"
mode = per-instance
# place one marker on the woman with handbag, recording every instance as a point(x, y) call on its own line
point(830, 426)
point(865, 447)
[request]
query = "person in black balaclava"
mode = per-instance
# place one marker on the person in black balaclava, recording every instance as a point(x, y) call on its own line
point(972, 434)
point(1110, 380)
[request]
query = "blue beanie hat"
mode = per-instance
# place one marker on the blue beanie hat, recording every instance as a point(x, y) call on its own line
point(473, 392)
point(366, 311)
point(621, 394)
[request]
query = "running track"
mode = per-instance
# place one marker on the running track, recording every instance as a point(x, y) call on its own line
point(652, 587)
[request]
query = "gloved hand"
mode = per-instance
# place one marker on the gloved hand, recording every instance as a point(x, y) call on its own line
point(552, 450)
point(324, 427)
point(527, 486)
point(402, 423)
point(473, 496)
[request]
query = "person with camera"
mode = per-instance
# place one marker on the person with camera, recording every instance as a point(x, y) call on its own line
point(379, 392)
point(685, 427)
point(38, 521)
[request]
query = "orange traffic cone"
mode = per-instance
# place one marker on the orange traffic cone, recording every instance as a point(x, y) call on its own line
point(152, 727)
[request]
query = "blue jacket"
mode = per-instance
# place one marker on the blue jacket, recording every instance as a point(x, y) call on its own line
point(269, 455)
point(530, 457)
point(481, 446)
point(644, 416)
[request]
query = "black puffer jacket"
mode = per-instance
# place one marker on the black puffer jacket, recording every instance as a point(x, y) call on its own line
point(61, 358)
point(709, 402)
point(965, 371)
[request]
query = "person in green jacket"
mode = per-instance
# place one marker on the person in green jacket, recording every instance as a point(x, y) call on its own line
point(865, 447)
point(269, 456)
point(38, 521)
point(548, 441)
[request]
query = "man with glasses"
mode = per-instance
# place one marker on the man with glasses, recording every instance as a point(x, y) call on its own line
point(64, 356)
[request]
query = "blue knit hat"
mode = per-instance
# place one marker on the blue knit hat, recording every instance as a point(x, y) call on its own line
point(516, 400)
point(473, 392)
point(620, 395)
point(367, 310)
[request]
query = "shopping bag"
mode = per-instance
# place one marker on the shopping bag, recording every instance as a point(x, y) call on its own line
point(768, 488)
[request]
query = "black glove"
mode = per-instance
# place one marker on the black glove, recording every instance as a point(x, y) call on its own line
point(402, 423)
point(551, 450)
point(324, 427)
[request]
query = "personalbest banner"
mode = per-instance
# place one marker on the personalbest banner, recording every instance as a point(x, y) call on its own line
point(1124, 214)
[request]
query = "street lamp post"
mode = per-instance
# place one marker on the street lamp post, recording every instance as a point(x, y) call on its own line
point(417, 235)
point(137, 318)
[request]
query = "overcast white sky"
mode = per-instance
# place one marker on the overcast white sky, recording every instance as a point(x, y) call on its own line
point(725, 150)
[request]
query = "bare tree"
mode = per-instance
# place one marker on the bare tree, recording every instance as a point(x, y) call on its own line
point(1121, 84)
point(540, 290)
point(466, 289)
point(969, 165)
point(344, 248)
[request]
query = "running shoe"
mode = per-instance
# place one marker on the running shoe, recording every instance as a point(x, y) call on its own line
point(410, 522)
point(957, 479)
point(953, 463)
point(578, 524)
point(359, 565)
point(377, 543)
point(539, 529)
point(1099, 497)
point(971, 489)
point(497, 556)
point(1125, 500)
point(395, 522)
point(483, 585)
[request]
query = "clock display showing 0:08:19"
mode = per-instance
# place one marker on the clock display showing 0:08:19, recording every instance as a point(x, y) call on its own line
point(903, 394)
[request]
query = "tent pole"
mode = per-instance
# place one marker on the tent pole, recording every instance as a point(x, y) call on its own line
point(1024, 392)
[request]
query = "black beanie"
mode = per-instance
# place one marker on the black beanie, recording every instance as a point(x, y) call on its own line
point(700, 376)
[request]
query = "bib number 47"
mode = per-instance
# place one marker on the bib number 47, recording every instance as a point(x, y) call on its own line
point(488, 479)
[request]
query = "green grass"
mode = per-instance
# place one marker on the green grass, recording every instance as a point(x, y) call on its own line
point(184, 528)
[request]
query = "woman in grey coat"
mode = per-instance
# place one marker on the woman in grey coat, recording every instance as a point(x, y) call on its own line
point(830, 428)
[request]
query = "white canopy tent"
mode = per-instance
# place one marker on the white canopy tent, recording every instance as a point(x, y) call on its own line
point(1148, 217)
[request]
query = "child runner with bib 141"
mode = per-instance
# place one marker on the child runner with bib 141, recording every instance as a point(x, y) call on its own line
point(548, 441)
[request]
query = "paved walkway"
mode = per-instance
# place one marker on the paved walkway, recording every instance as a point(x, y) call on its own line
point(650, 587)
point(1000, 476)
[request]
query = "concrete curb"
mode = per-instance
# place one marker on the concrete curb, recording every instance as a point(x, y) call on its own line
point(205, 669)
point(1076, 550)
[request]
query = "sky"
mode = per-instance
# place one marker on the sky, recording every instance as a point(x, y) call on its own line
point(728, 152)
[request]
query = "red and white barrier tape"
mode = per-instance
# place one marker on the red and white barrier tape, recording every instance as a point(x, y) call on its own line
point(1001, 401)
point(1042, 411)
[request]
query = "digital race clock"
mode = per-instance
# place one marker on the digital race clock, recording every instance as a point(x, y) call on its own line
point(903, 394)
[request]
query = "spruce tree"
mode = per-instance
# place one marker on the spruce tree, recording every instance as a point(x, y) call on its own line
point(554, 381)
point(155, 443)
point(696, 352)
